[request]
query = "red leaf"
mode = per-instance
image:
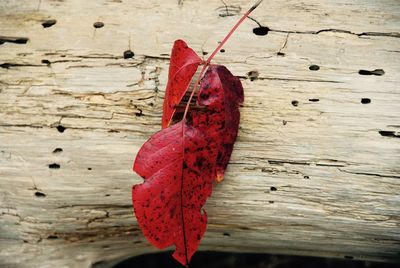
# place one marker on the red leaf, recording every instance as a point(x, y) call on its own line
point(178, 182)
point(168, 205)
point(180, 162)
point(221, 92)
point(183, 65)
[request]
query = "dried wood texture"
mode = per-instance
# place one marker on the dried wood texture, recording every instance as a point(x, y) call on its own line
point(316, 168)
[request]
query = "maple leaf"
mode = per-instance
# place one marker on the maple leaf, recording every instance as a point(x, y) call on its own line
point(180, 162)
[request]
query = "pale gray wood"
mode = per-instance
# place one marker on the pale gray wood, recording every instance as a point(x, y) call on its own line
point(319, 178)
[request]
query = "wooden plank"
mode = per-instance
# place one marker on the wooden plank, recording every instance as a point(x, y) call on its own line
point(315, 169)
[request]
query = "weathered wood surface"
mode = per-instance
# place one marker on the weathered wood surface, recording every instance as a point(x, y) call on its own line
point(314, 170)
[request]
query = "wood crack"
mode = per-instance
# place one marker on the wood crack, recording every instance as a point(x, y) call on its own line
point(111, 129)
point(12, 39)
point(371, 174)
point(8, 65)
point(292, 79)
point(389, 34)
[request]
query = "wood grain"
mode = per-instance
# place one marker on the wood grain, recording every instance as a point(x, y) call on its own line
point(315, 170)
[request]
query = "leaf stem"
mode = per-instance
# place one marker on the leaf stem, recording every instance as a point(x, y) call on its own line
point(207, 62)
point(245, 15)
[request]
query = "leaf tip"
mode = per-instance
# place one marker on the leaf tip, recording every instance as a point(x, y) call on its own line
point(219, 178)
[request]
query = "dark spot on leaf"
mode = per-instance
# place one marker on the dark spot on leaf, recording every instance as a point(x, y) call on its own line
point(280, 54)
point(377, 72)
point(313, 100)
point(57, 150)
point(40, 194)
point(271, 202)
point(107, 195)
point(204, 95)
point(365, 100)
point(222, 50)
point(205, 53)
point(273, 188)
point(140, 113)
point(284, 122)
point(48, 23)
point(128, 54)
point(226, 234)
point(295, 103)
point(306, 177)
point(98, 24)
point(60, 128)
point(262, 30)
point(199, 162)
point(349, 257)
point(313, 67)
point(219, 156)
point(184, 165)
point(54, 166)
point(89, 168)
